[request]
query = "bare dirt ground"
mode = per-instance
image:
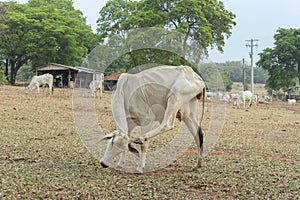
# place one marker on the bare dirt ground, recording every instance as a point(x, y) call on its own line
point(42, 156)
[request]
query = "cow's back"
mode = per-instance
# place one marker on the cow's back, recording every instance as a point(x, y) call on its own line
point(245, 95)
point(43, 79)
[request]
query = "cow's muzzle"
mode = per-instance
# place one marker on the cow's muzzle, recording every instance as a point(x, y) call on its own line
point(103, 165)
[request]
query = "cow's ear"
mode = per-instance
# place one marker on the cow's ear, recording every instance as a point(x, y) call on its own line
point(108, 136)
point(133, 149)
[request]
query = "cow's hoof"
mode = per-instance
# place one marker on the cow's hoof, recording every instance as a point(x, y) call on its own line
point(119, 167)
point(103, 165)
point(138, 172)
point(138, 141)
point(199, 164)
point(195, 169)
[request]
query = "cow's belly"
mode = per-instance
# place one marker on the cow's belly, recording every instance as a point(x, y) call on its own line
point(147, 104)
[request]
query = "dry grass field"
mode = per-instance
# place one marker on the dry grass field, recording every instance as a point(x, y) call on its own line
point(42, 156)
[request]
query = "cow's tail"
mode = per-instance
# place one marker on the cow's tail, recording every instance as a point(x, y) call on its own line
point(200, 131)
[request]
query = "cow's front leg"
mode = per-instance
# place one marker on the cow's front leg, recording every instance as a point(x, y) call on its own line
point(141, 165)
point(167, 123)
point(101, 93)
point(122, 160)
point(38, 88)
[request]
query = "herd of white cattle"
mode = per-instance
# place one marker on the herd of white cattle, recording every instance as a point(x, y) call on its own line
point(46, 80)
point(143, 98)
point(243, 98)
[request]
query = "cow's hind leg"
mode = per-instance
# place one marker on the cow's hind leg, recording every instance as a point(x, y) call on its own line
point(199, 138)
point(190, 119)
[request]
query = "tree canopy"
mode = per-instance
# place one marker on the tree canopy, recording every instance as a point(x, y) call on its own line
point(283, 60)
point(43, 31)
point(207, 23)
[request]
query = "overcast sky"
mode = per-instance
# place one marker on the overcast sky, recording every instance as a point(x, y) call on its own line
point(256, 19)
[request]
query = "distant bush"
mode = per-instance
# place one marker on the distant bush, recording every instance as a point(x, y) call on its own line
point(3, 80)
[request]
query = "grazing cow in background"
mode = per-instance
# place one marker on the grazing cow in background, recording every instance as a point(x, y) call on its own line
point(97, 85)
point(254, 100)
point(291, 101)
point(268, 99)
point(244, 96)
point(158, 94)
point(233, 99)
point(209, 96)
point(264, 99)
point(225, 98)
point(42, 80)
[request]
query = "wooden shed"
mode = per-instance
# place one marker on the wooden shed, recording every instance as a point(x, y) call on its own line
point(110, 82)
point(64, 76)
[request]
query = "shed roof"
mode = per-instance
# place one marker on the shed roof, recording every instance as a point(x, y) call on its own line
point(56, 66)
point(113, 77)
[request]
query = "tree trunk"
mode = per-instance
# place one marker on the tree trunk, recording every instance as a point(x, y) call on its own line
point(12, 72)
point(6, 69)
point(299, 73)
point(15, 66)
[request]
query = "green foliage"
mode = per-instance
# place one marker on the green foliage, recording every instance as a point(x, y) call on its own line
point(216, 78)
point(235, 69)
point(204, 23)
point(25, 74)
point(3, 79)
point(44, 31)
point(112, 17)
point(140, 47)
point(283, 61)
point(233, 72)
point(226, 80)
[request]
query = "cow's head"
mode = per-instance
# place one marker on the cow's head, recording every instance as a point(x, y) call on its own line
point(119, 142)
point(29, 88)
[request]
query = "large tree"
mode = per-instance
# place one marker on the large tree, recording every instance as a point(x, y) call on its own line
point(283, 60)
point(206, 22)
point(44, 31)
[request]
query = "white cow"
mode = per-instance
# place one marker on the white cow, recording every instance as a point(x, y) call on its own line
point(254, 100)
point(291, 101)
point(225, 98)
point(42, 80)
point(97, 85)
point(158, 94)
point(234, 96)
point(209, 96)
point(268, 99)
point(233, 99)
point(244, 96)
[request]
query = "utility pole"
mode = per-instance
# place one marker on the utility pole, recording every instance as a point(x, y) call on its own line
point(251, 45)
point(244, 75)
